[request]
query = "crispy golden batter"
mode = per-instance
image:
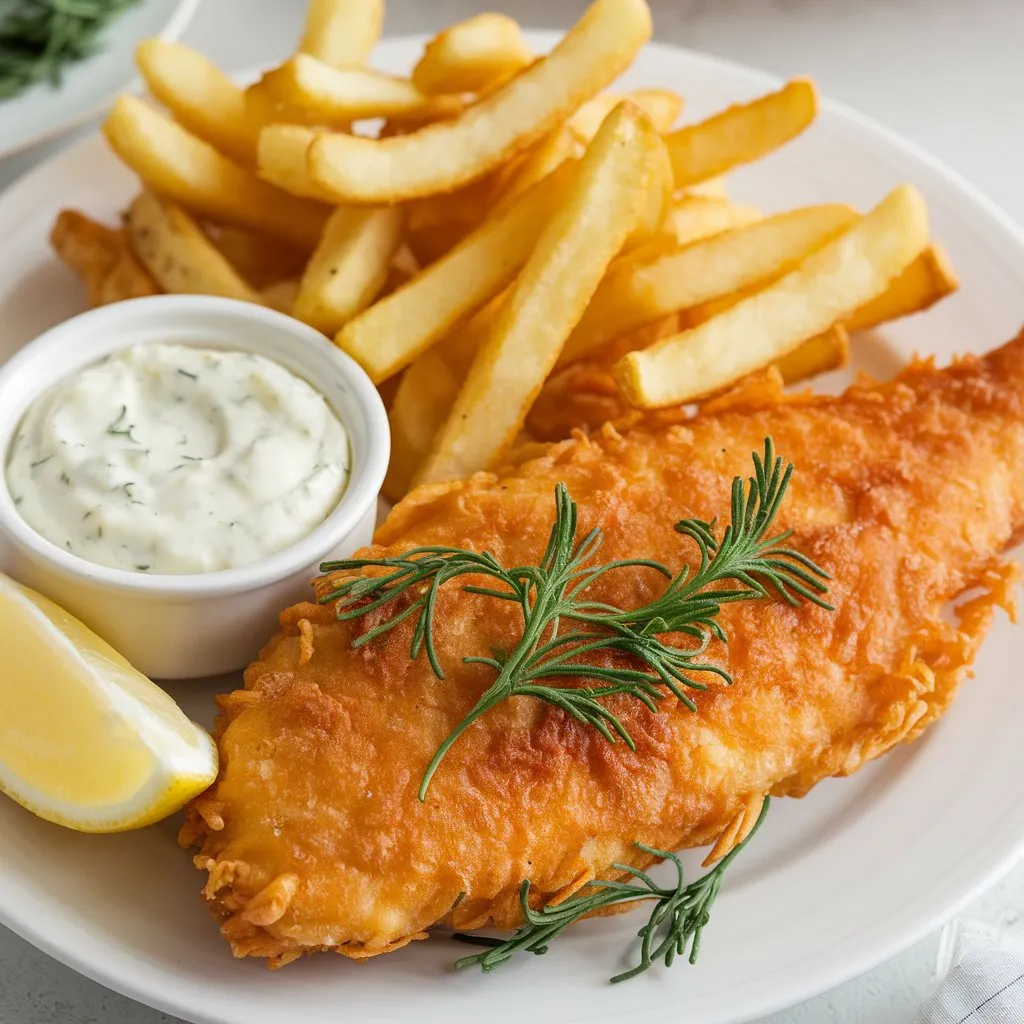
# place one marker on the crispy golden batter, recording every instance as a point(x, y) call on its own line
point(907, 493)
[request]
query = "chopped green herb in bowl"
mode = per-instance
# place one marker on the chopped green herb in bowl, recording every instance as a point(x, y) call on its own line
point(40, 38)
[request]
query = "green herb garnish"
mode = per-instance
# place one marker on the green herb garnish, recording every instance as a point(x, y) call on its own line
point(117, 430)
point(556, 590)
point(679, 916)
point(39, 38)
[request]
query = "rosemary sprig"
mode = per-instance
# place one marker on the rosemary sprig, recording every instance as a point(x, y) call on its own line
point(39, 38)
point(753, 562)
point(677, 920)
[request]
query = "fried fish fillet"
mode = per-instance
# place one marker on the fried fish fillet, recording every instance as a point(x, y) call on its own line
point(906, 493)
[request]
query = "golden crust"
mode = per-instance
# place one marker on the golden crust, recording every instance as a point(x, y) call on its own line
point(905, 493)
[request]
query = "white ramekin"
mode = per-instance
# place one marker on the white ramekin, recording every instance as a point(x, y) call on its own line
point(182, 627)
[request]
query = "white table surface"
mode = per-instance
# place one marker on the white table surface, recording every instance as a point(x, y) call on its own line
point(945, 73)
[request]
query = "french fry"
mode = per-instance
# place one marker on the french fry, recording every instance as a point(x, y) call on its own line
point(823, 353)
point(177, 164)
point(281, 296)
point(425, 396)
point(349, 267)
point(741, 134)
point(102, 257)
point(472, 55)
point(713, 188)
point(330, 95)
point(657, 199)
point(638, 291)
point(181, 259)
point(687, 220)
point(828, 286)
point(603, 209)
point(551, 152)
point(258, 258)
point(391, 333)
point(584, 394)
point(695, 217)
point(201, 97)
point(422, 401)
point(267, 109)
point(925, 281)
point(342, 32)
point(446, 155)
point(928, 279)
point(281, 160)
point(662, 106)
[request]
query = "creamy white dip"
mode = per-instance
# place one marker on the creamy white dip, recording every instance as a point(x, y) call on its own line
point(170, 459)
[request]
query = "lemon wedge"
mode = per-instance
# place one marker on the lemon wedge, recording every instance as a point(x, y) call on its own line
point(86, 740)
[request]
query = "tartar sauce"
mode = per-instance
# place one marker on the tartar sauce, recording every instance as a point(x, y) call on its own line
point(168, 459)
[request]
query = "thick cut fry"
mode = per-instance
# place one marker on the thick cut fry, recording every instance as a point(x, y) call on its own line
point(583, 395)
point(177, 164)
point(182, 260)
point(281, 160)
point(391, 333)
point(741, 134)
point(202, 98)
point(572, 254)
point(472, 55)
point(342, 32)
point(422, 403)
point(349, 267)
point(266, 109)
point(823, 353)
point(827, 287)
point(638, 291)
point(689, 220)
point(281, 296)
point(929, 278)
point(658, 197)
point(925, 281)
point(425, 396)
point(258, 258)
point(333, 95)
point(695, 217)
point(662, 106)
point(102, 257)
point(443, 156)
point(713, 188)
point(551, 152)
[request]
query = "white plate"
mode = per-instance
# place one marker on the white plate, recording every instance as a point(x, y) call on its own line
point(88, 87)
point(833, 885)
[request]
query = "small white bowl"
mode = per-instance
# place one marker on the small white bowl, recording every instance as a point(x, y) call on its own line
point(186, 626)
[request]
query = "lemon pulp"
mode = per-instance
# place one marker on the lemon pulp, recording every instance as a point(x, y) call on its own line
point(85, 739)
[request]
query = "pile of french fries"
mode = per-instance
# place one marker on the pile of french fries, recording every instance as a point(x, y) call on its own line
point(505, 246)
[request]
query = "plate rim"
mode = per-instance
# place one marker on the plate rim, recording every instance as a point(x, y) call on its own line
point(818, 982)
point(175, 26)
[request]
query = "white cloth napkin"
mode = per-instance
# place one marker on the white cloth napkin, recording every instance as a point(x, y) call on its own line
point(983, 976)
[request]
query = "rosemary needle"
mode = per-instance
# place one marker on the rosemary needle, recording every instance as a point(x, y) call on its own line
point(752, 561)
